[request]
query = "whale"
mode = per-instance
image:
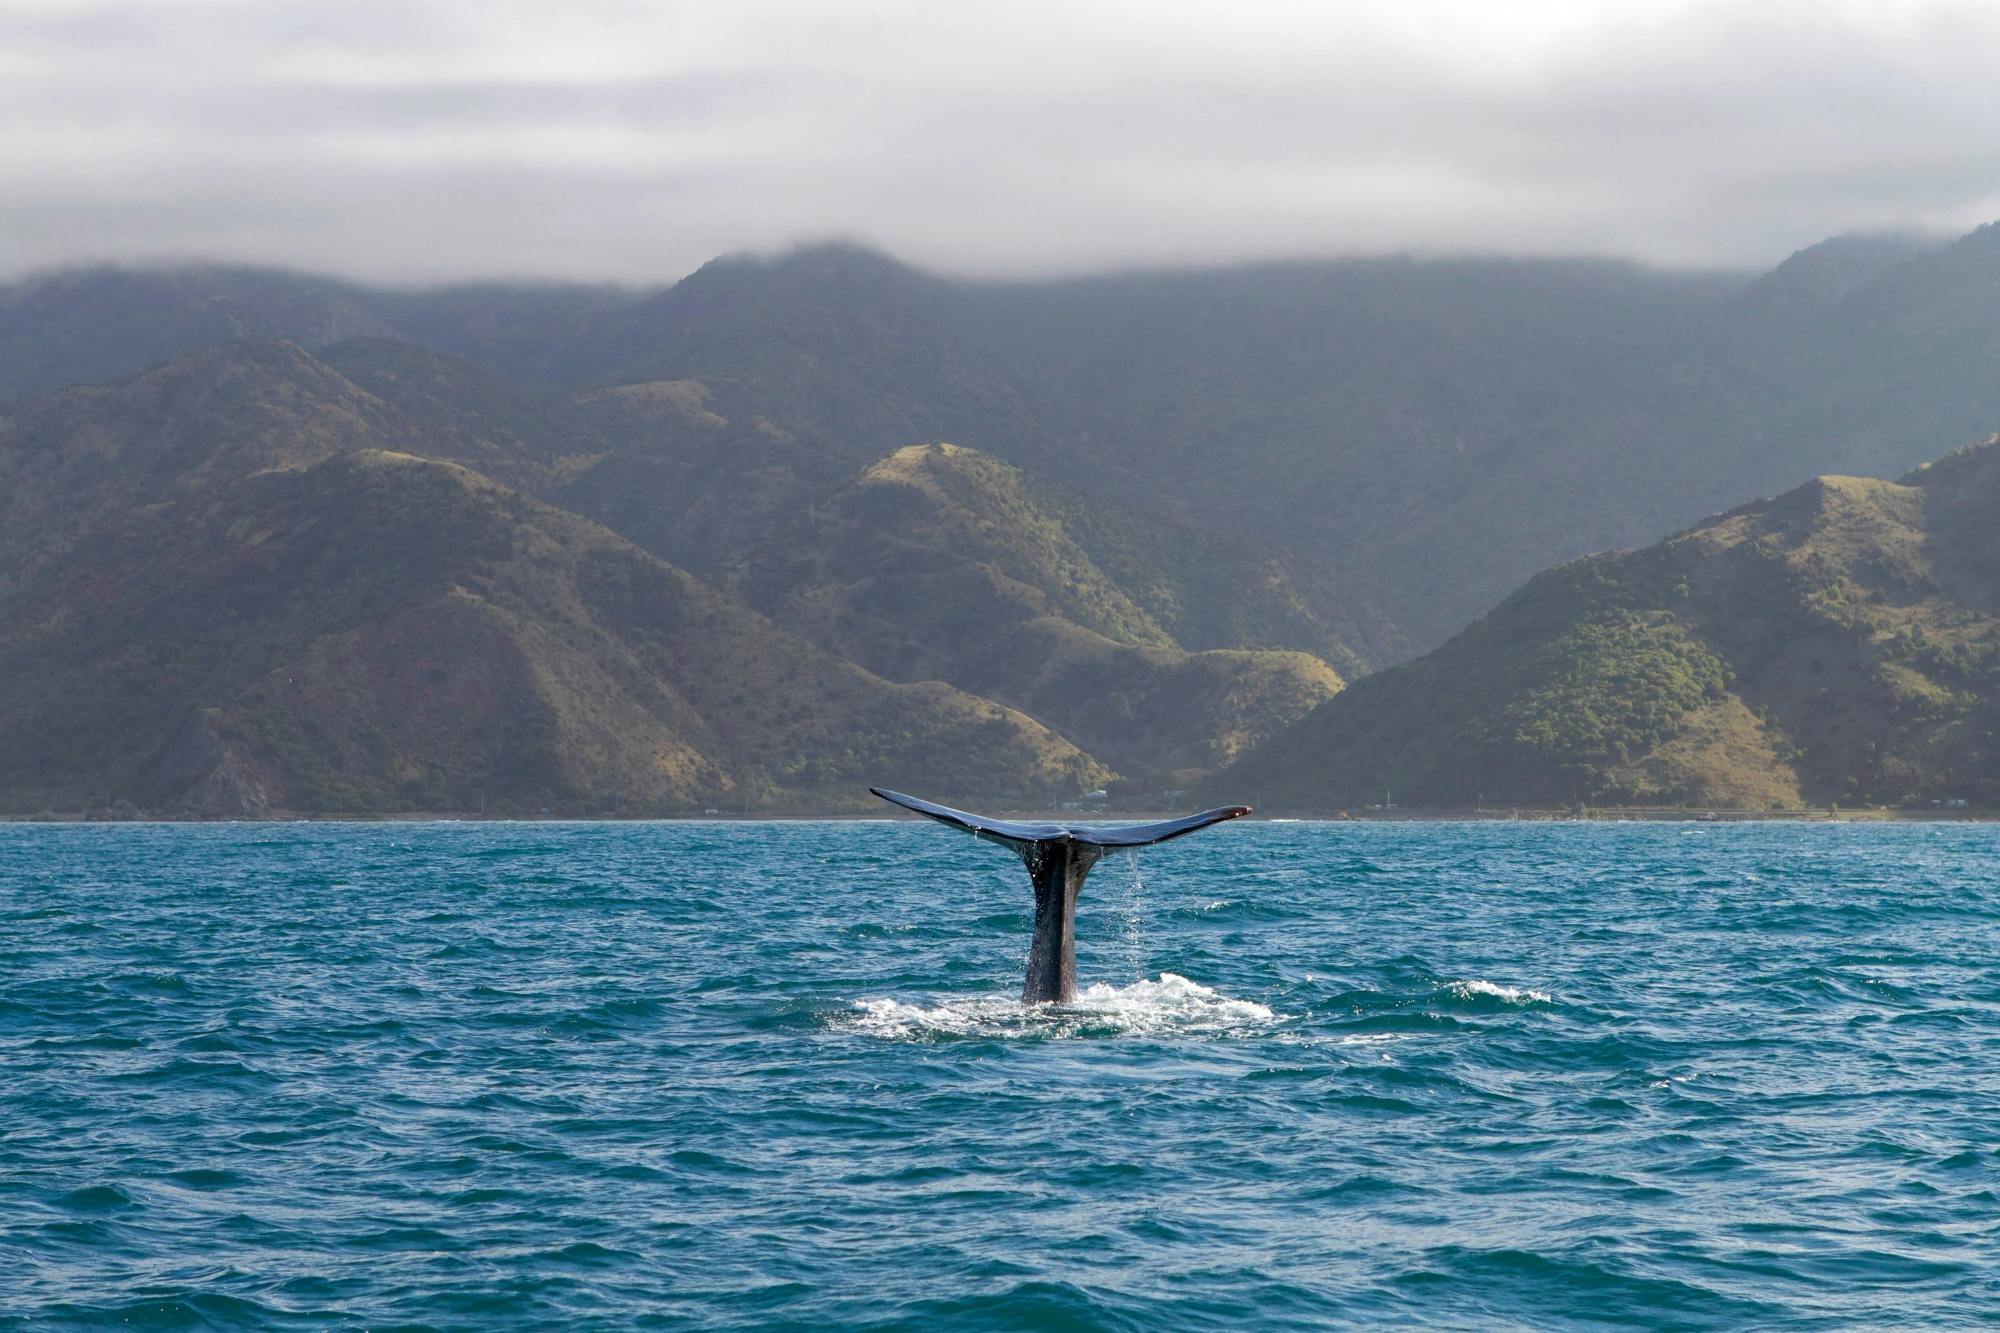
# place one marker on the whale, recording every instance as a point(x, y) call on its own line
point(1058, 857)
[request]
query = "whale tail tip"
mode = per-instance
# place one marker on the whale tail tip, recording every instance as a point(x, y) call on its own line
point(1058, 857)
point(1016, 833)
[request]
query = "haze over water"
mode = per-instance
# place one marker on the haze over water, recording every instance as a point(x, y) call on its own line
point(775, 1075)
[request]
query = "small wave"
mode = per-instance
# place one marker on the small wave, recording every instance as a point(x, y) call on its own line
point(1169, 1006)
point(1466, 990)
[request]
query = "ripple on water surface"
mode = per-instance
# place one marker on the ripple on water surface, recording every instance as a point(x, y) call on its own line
point(1169, 1006)
point(739, 1075)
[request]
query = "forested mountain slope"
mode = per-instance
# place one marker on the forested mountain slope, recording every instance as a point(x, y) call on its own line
point(940, 563)
point(1428, 432)
point(1176, 509)
point(257, 580)
point(240, 600)
point(1838, 644)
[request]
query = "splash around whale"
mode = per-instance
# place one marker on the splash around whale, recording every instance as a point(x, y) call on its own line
point(1170, 1005)
point(1058, 857)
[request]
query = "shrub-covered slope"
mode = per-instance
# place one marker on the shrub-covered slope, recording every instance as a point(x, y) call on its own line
point(1138, 639)
point(374, 525)
point(237, 601)
point(379, 632)
point(1838, 644)
point(1432, 430)
point(941, 563)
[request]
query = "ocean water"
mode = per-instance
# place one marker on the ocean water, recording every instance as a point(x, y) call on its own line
point(774, 1075)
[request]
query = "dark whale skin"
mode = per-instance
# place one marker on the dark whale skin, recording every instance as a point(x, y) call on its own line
point(1058, 857)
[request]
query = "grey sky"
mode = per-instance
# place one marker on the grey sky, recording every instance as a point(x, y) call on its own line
point(633, 141)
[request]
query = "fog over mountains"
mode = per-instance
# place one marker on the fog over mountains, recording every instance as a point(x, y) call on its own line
point(1006, 540)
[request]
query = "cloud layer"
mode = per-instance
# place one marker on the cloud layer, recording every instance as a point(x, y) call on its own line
point(605, 139)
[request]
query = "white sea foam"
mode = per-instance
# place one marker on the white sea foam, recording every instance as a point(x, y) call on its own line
point(1169, 1006)
point(1172, 994)
point(1465, 990)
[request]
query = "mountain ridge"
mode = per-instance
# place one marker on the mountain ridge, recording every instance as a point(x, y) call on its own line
point(939, 562)
point(1436, 430)
point(244, 583)
point(1175, 509)
point(1839, 644)
point(323, 629)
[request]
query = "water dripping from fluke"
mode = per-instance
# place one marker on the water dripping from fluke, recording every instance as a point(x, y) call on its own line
point(1059, 857)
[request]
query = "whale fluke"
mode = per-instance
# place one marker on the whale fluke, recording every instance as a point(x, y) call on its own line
point(1058, 857)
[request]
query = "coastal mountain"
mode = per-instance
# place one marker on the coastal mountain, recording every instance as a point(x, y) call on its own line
point(941, 563)
point(1151, 519)
point(1156, 647)
point(657, 461)
point(255, 607)
point(255, 580)
point(1839, 644)
point(1427, 432)
point(88, 325)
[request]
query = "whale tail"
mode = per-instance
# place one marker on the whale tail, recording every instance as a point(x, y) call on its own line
point(1058, 857)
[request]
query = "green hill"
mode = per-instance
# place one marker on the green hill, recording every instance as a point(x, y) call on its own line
point(1430, 431)
point(241, 606)
point(1154, 646)
point(1838, 644)
point(421, 547)
point(1182, 496)
point(940, 563)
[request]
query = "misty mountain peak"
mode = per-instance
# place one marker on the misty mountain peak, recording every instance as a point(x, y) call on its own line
point(1826, 273)
point(841, 268)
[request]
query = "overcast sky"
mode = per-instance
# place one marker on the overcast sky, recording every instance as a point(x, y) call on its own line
point(402, 140)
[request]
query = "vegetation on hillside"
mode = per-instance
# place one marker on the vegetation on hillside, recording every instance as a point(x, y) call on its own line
point(1184, 501)
point(941, 563)
point(246, 582)
point(380, 632)
point(1840, 644)
point(1427, 432)
point(930, 562)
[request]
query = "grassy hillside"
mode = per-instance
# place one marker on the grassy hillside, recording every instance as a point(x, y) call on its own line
point(928, 563)
point(373, 526)
point(1434, 431)
point(72, 457)
point(941, 563)
point(382, 632)
point(1185, 501)
point(227, 595)
point(1838, 644)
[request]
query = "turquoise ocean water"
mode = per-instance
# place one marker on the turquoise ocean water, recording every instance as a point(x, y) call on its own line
point(774, 1076)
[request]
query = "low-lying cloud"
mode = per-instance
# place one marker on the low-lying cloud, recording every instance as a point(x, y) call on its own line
point(633, 141)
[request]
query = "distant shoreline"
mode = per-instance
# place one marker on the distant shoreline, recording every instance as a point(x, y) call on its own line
point(1594, 815)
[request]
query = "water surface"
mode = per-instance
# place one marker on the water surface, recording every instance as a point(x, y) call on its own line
point(775, 1075)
